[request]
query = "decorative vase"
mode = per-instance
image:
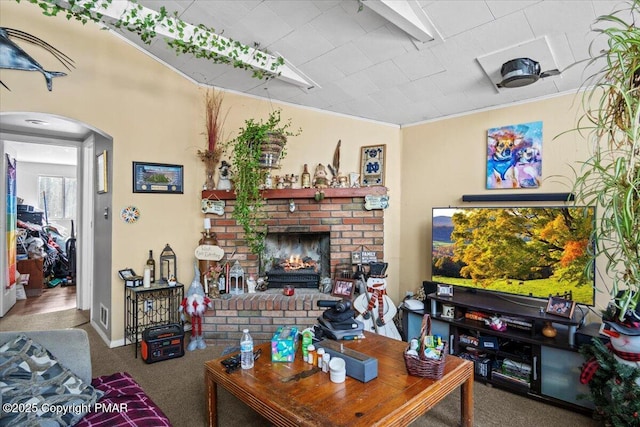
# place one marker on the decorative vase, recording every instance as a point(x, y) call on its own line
point(548, 330)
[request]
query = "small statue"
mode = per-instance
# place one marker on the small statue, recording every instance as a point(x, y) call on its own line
point(268, 181)
point(280, 182)
point(224, 182)
point(291, 180)
point(320, 179)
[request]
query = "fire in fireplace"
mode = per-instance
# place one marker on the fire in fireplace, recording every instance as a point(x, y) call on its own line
point(294, 258)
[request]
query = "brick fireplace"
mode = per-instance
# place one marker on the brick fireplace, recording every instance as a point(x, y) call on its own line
point(341, 214)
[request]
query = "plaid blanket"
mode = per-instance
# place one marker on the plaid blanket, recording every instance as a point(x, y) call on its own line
point(123, 404)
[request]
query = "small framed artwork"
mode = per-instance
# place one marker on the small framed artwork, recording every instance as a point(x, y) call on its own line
point(372, 160)
point(444, 290)
point(157, 178)
point(343, 288)
point(102, 174)
point(356, 257)
point(561, 307)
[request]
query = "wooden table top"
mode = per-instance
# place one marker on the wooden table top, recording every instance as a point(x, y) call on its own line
point(393, 398)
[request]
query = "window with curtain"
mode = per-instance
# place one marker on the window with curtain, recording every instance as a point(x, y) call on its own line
point(60, 196)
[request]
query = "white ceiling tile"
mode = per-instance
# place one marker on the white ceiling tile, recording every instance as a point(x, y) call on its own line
point(417, 64)
point(385, 75)
point(357, 85)
point(500, 8)
point(382, 44)
point(337, 27)
point(549, 17)
point(454, 17)
point(348, 59)
point(303, 45)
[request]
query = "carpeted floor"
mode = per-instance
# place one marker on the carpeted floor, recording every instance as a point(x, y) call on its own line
point(177, 386)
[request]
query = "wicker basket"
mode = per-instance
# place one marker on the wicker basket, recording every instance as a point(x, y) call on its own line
point(420, 366)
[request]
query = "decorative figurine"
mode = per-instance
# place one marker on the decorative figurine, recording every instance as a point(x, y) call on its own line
point(195, 304)
point(291, 180)
point(224, 181)
point(320, 179)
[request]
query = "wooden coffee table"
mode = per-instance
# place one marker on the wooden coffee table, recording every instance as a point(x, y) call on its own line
point(393, 398)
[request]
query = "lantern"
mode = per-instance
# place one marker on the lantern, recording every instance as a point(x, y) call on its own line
point(236, 279)
point(168, 265)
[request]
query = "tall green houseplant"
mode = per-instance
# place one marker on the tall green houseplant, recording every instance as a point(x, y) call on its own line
point(254, 152)
point(610, 177)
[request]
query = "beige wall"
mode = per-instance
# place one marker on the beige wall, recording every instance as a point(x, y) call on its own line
point(156, 115)
point(445, 159)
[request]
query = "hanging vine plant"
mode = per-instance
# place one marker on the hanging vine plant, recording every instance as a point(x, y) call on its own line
point(197, 40)
point(249, 170)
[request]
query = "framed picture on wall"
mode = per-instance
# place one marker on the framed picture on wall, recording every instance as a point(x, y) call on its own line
point(102, 172)
point(157, 178)
point(372, 160)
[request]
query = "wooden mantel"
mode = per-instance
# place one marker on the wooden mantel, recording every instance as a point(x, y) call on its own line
point(301, 193)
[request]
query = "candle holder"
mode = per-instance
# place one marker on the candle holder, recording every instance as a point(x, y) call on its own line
point(236, 279)
point(168, 265)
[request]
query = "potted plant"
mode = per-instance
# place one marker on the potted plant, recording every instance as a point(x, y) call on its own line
point(214, 123)
point(610, 180)
point(610, 177)
point(259, 146)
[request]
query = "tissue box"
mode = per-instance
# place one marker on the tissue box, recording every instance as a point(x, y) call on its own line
point(284, 344)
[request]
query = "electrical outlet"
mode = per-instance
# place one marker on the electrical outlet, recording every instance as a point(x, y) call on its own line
point(148, 305)
point(409, 294)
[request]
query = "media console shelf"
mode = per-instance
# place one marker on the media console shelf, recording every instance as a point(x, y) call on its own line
point(530, 310)
point(519, 359)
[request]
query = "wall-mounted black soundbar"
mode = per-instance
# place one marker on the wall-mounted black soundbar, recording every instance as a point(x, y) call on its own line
point(524, 197)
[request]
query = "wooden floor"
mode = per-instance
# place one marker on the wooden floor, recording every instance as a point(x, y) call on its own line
point(52, 299)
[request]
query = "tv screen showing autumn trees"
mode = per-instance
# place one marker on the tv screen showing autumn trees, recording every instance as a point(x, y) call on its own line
point(532, 251)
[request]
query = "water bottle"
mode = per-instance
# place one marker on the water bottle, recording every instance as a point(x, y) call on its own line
point(246, 350)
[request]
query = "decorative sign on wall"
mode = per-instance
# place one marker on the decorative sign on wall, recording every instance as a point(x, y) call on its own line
point(372, 165)
point(376, 202)
point(212, 206)
point(209, 252)
point(367, 257)
point(514, 156)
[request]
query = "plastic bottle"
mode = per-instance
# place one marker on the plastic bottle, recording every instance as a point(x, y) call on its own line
point(246, 350)
point(319, 354)
point(313, 356)
point(307, 338)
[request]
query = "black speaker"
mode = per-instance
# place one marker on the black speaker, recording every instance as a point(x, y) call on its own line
point(429, 287)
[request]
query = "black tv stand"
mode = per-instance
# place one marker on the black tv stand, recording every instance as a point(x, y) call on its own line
point(548, 368)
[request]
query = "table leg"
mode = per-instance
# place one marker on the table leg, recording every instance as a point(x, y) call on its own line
point(212, 394)
point(466, 402)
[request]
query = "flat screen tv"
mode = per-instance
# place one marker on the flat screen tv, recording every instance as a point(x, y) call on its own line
point(530, 251)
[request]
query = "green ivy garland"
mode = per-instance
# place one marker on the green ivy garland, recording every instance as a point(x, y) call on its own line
point(224, 50)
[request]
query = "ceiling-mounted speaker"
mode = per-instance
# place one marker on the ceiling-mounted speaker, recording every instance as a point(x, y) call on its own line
point(522, 72)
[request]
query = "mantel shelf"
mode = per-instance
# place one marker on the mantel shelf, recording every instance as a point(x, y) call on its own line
point(301, 193)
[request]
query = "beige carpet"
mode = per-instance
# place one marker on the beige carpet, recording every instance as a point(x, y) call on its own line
point(177, 386)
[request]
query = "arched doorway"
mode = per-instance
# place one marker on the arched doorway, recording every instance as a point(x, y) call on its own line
point(93, 208)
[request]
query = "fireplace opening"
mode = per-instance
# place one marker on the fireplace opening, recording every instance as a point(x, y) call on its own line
point(296, 258)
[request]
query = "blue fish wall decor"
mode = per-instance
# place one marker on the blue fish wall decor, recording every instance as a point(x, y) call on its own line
point(13, 57)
